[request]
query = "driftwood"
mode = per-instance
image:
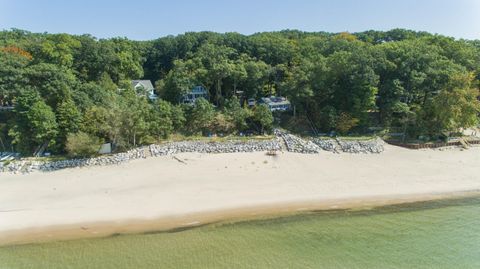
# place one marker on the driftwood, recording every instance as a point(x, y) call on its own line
point(272, 153)
point(179, 160)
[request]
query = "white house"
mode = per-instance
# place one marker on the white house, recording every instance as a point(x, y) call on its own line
point(145, 87)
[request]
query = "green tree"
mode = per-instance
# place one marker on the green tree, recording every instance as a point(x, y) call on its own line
point(236, 113)
point(133, 118)
point(201, 116)
point(54, 83)
point(34, 125)
point(161, 123)
point(263, 118)
point(217, 61)
point(178, 117)
point(180, 80)
point(222, 124)
point(69, 120)
point(12, 78)
point(57, 49)
point(455, 107)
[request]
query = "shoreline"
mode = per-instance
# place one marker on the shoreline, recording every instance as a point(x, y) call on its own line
point(177, 223)
point(191, 189)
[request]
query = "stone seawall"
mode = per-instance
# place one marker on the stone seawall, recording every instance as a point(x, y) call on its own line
point(27, 166)
point(316, 145)
point(283, 140)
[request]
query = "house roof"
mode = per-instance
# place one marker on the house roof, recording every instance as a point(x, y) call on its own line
point(147, 84)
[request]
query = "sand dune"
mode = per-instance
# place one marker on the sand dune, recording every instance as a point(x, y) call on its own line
point(162, 192)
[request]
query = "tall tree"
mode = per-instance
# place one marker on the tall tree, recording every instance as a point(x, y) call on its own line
point(34, 124)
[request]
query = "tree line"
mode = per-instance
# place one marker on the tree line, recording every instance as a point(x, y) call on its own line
point(73, 90)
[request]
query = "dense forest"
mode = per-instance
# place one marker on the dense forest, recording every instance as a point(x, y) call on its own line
point(69, 93)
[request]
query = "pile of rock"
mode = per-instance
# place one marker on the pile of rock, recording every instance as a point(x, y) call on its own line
point(294, 143)
point(213, 147)
point(316, 145)
point(327, 144)
point(369, 146)
point(27, 166)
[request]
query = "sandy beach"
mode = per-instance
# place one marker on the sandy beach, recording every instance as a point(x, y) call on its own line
point(165, 192)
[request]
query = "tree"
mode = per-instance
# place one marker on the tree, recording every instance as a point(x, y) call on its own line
point(180, 80)
point(69, 120)
point(178, 117)
point(222, 124)
point(201, 117)
point(82, 144)
point(161, 123)
point(43, 124)
point(133, 118)
point(12, 78)
point(54, 83)
point(263, 118)
point(257, 77)
point(57, 49)
point(345, 123)
point(455, 107)
point(237, 115)
point(399, 78)
point(34, 124)
point(353, 82)
point(217, 61)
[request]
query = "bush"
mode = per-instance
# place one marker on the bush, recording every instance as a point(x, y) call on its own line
point(222, 124)
point(263, 118)
point(346, 122)
point(82, 144)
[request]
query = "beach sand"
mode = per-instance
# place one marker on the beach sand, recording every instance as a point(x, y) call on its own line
point(163, 193)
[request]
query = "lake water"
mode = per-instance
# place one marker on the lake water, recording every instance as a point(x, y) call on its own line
point(440, 234)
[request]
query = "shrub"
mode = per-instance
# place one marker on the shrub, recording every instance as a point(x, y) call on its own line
point(346, 122)
point(82, 144)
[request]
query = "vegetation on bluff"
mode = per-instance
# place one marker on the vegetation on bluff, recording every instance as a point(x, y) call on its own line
point(61, 84)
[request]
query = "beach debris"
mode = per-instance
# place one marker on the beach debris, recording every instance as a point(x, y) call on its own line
point(179, 160)
point(271, 153)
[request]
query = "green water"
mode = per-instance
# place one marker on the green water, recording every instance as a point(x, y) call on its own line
point(442, 234)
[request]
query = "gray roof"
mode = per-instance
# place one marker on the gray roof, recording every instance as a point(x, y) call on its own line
point(147, 84)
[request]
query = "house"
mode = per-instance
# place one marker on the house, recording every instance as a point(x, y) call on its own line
point(276, 103)
point(194, 94)
point(145, 88)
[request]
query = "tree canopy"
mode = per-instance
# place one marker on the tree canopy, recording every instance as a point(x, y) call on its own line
point(78, 88)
